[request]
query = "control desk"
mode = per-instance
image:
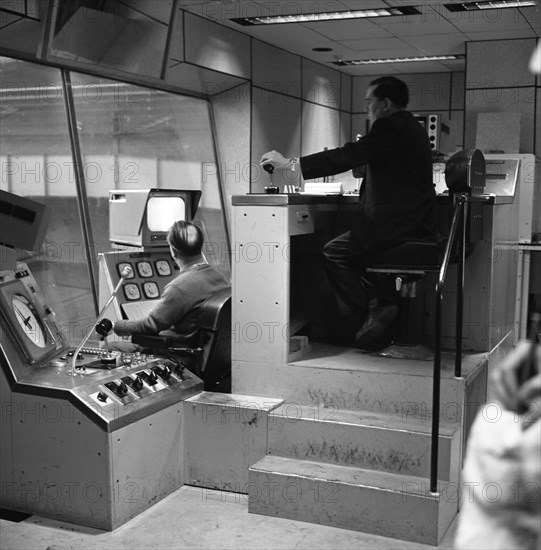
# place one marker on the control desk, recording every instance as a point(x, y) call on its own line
point(280, 286)
point(93, 439)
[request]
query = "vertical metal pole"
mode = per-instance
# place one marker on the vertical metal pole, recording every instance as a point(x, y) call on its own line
point(82, 201)
point(436, 394)
point(460, 285)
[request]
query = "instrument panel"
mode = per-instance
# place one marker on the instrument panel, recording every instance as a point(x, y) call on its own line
point(113, 393)
point(150, 272)
point(111, 388)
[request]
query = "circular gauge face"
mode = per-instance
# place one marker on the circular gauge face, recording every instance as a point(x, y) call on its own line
point(145, 269)
point(28, 320)
point(123, 266)
point(163, 268)
point(151, 290)
point(131, 291)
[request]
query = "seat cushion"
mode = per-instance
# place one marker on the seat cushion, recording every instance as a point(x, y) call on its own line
point(415, 255)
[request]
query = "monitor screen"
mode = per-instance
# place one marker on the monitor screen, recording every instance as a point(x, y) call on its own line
point(163, 212)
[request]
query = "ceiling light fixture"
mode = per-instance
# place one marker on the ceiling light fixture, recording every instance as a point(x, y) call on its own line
point(326, 16)
point(349, 62)
point(501, 4)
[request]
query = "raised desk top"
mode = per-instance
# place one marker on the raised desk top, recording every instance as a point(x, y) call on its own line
point(285, 199)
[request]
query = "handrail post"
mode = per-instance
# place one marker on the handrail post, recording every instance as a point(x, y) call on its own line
point(436, 393)
point(436, 379)
point(463, 202)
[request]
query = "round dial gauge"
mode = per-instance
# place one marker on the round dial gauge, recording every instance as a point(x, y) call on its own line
point(145, 269)
point(131, 291)
point(28, 320)
point(151, 290)
point(122, 266)
point(163, 268)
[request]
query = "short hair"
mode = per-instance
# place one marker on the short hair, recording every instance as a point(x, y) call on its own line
point(393, 88)
point(185, 238)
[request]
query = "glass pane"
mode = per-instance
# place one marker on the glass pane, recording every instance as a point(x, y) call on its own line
point(36, 163)
point(139, 138)
point(127, 35)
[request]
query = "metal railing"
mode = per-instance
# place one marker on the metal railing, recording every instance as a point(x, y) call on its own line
point(457, 232)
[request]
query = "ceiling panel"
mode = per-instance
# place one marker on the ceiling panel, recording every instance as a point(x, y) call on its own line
point(506, 34)
point(349, 29)
point(365, 49)
point(435, 31)
point(428, 22)
point(439, 44)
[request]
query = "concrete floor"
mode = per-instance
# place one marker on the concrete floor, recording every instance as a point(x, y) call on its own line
point(194, 518)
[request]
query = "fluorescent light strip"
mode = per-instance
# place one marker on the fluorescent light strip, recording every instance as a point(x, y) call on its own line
point(326, 16)
point(397, 60)
point(502, 4)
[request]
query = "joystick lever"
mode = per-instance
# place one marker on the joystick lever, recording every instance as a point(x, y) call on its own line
point(103, 328)
point(272, 188)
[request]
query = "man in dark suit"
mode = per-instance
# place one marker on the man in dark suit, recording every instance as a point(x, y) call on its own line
point(396, 200)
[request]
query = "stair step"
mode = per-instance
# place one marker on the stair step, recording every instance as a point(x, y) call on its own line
point(362, 439)
point(348, 379)
point(382, 503)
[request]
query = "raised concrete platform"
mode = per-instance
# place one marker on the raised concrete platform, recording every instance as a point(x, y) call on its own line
point(343, 439)
point(348, 379)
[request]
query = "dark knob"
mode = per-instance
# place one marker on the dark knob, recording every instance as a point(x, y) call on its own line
point(152, 378)
point(103, 328)
point(164, 372)
point(179, 370)
point(137, 383)
point(102, 397)
point(121, 389)
point(268, 168)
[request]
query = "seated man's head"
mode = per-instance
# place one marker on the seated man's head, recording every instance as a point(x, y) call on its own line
point(185, 241)
point(385, 96)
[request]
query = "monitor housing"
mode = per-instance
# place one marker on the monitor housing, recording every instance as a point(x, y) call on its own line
point(142, 217)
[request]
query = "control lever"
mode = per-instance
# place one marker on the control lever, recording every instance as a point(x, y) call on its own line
point(103, 328)
point(126, 272)
point(271, 189)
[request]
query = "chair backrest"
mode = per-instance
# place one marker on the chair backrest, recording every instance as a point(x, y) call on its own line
point(215, 337)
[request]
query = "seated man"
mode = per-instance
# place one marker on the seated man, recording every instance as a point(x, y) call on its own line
point(397, 203)
point(176, 314)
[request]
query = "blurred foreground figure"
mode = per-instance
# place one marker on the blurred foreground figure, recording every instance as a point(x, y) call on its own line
point(502, 471)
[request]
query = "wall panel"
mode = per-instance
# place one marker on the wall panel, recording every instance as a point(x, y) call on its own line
point(499, 63)
point(216, 47)
point(321, 85)
point(276, 124)
point(276, 69)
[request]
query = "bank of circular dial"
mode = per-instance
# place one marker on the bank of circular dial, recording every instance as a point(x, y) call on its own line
point(28, 320)
point(132, 291)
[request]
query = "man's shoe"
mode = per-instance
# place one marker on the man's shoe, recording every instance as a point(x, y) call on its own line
point(376, 324)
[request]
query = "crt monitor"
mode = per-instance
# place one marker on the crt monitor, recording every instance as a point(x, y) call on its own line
point(142, 217)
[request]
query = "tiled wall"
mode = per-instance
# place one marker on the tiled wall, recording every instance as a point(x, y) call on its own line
point(498, 80)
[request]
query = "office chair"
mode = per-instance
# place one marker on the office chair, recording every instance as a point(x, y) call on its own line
point(210, 358)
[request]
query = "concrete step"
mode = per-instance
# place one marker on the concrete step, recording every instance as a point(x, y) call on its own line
point(381, 503)
point(363, 439)
point(346, 378)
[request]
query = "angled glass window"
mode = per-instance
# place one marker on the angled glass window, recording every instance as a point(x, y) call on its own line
point(36, 163)
point(139, 138)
